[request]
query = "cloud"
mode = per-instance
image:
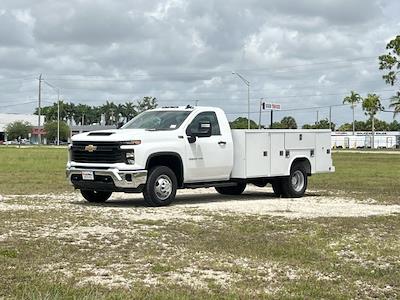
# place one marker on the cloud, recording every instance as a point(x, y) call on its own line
point(300, 53)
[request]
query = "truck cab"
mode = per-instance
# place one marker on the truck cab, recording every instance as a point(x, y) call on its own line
point(164, 149)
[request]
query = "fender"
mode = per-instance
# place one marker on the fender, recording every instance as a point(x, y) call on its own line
point(300, 157)
point(170, 153)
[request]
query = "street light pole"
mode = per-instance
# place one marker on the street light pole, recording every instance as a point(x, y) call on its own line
point(58, 117)
point(39, 108)
point(58, 107)
point(246, 82)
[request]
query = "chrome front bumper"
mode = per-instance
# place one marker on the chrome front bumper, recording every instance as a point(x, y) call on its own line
point(120, 178)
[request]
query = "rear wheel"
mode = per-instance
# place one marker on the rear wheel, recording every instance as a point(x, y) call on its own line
point(161, 186)
point(295, 185)
point(95, 196)
point(231, 190)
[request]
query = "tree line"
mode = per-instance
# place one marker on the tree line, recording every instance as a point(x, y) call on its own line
point(289, 122)
point(80, 114)
point(86, 115)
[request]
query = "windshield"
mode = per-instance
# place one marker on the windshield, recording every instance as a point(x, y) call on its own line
point(157, 120)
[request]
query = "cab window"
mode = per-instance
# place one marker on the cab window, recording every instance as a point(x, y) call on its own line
point(208, 116)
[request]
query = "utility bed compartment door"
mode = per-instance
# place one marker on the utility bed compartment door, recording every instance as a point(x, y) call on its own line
point(323, 161)
point(299, 140)
point(257, 154)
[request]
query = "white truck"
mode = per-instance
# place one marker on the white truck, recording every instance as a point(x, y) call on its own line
point(165, 149)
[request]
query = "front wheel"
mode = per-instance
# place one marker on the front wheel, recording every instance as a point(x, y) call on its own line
point(161, 186)
point(295, 185)
point(231, 190)
point(95, 196)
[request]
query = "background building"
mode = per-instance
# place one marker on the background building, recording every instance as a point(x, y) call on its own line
point(6, 119)
point(363, 139)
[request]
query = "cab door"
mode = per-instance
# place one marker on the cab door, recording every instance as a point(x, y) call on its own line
point(208, 158)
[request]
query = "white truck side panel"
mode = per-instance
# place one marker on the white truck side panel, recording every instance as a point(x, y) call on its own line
point(279, 163)
point(299, 140)
point(323, 160)
point(257, 154)
point(269, 153)
point(239, 154)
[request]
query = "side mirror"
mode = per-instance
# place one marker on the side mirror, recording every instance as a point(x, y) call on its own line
point(203, 130)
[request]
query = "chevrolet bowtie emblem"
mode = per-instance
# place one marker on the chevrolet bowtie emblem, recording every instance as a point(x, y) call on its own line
point(90, 148)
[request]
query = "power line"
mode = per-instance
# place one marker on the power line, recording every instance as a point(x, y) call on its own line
point(17, 104)
point(198, 74)
point(222, 71)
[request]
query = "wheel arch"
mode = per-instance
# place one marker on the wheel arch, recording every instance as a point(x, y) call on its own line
point(171, 160)
point(304, 161)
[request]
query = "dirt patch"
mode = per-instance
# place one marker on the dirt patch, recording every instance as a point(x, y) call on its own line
point(191, 205)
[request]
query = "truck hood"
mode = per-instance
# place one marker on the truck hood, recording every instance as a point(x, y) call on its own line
point(120, 135)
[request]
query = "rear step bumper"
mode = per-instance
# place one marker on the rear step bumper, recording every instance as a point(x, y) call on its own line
point(122, 179)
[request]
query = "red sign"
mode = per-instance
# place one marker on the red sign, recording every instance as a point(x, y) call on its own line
point(270, 106)
point(36, 131)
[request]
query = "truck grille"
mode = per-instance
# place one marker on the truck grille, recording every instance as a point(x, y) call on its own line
point(97, 152)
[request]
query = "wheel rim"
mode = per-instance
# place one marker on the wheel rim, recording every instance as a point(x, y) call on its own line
point(163, 187)
point(298, 180)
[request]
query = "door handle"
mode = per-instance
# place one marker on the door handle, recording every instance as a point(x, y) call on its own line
point(221, 143)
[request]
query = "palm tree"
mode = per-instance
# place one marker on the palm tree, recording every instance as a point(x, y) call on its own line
point(82, 114)
point(395, 103)
point(109, 109)
point(371, 105)
point(353, 99)
point(130, 111)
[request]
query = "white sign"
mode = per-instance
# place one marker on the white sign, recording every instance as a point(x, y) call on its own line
point(270, 106)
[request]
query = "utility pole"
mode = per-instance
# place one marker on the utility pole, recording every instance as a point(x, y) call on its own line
point(330, 117)
point(39, 109)
point(272, 118)
point(373, 132)
point(196, 102)
point(248, 105)
point(317, 117)
point(58, 117)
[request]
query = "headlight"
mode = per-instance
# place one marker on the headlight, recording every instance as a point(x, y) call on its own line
point(130, 157)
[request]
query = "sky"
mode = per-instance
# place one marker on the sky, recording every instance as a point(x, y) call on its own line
point(305, 55)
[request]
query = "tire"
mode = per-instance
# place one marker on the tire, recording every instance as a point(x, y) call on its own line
point(295, 185)
point(232, 190)
point(161, 186)
point(277, 187)
point(95, 196)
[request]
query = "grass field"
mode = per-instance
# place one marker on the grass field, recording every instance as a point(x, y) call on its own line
point(55, 246)
point(375, 175)
point(42, 170)
point(33, 170)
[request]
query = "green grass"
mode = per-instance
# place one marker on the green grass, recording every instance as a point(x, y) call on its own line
point(33, 170)
point(265, 257)
point(374, 175)
point(42, 170)
point(327, 257)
